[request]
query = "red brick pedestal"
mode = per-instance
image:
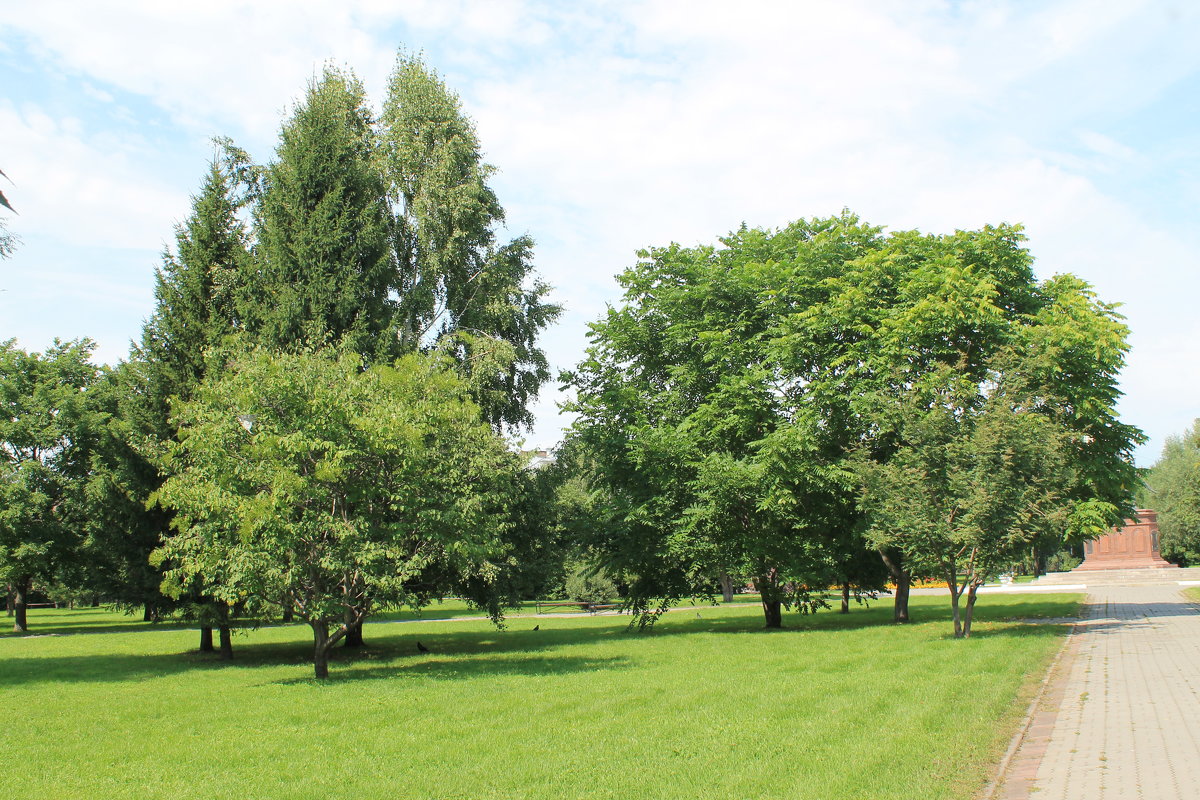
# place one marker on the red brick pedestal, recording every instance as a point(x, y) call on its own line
point(1133, 546)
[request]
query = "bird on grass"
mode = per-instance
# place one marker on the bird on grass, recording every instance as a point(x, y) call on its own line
point(537, 627)
point(422, 648)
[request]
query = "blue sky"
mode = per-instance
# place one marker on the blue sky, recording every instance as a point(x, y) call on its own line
point(617, 126)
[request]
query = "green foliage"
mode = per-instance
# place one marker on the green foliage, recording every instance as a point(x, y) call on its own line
point(945, 352)
point(198, 292)
point(587, 583)
point(732, 399)
point(322, 261)
point(455, 285)
point(968, 490)
point(119, 531)
point(1063, 561)
point(304, 478)
point(381, 234)
point(47, 432)
point(714, 463)
point(1173, 490)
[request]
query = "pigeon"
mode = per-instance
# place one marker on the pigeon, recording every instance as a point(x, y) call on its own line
point(422, 648)
point(537, 627)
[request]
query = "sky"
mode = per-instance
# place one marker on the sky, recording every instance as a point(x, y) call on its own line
point(622, 125)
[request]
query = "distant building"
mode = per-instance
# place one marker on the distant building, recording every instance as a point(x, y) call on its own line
point(537, 459)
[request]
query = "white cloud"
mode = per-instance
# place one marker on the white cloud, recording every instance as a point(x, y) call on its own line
point(617, 127)
point(87, 187)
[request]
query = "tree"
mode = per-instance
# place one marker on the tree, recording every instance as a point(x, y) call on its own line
point(1173, 490)
point(714, 463)
point(942, 323)
point(200, 293)
point(46, 433)
point(970, 487)
point(481, 302)
point(323, 267)
point(733, 397)
point(305, 477)
point(119, 531)
point(915, 315)
point(382, 237)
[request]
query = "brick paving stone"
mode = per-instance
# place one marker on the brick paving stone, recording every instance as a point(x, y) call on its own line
point(1122, 717)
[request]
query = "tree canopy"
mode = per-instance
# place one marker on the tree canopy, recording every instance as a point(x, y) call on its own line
point(304, 479)
point(47, 431)
point(736, 394)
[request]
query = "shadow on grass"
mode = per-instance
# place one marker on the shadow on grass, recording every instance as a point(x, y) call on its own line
point(460, 669)
point(391, 649)
point(933, 610)
point(471, 653)
point(64, 622)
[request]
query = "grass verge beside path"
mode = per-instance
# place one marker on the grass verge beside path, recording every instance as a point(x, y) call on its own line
point(834, 706)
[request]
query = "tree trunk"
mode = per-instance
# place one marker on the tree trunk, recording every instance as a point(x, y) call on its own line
point(903, 585)
point(970, 612)
point(288, 614)
point(952, 582)
point(226, 642)
point(768, 591)
point(9, 599)
point(206, 640)
point(354, 634)
point(148, 613)
point(320, 649)
point(95, 601)
point(20, 588)
point(773, 611)
point(903, 579)
point(726, 587)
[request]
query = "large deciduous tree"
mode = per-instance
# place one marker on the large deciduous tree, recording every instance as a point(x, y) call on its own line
point(716, 463)
point(972, 483)
point(457, 286)
point(305, 477)
point(47, 429)
point(923, 320)
point(735, 395)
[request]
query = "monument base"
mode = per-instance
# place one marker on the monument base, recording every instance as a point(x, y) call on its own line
point(1132, 546)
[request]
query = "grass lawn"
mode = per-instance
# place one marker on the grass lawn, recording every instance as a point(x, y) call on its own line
point(834, 706)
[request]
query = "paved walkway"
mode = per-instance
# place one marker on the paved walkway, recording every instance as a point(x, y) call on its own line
point(1121, 718)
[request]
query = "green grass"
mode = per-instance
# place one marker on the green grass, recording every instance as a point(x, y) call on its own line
point(834, 706)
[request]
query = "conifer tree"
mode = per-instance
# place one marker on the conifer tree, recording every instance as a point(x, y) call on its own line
point(324, 268)
point(199, 293)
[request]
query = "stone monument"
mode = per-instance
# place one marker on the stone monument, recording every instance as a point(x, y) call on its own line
point(1132, 546)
